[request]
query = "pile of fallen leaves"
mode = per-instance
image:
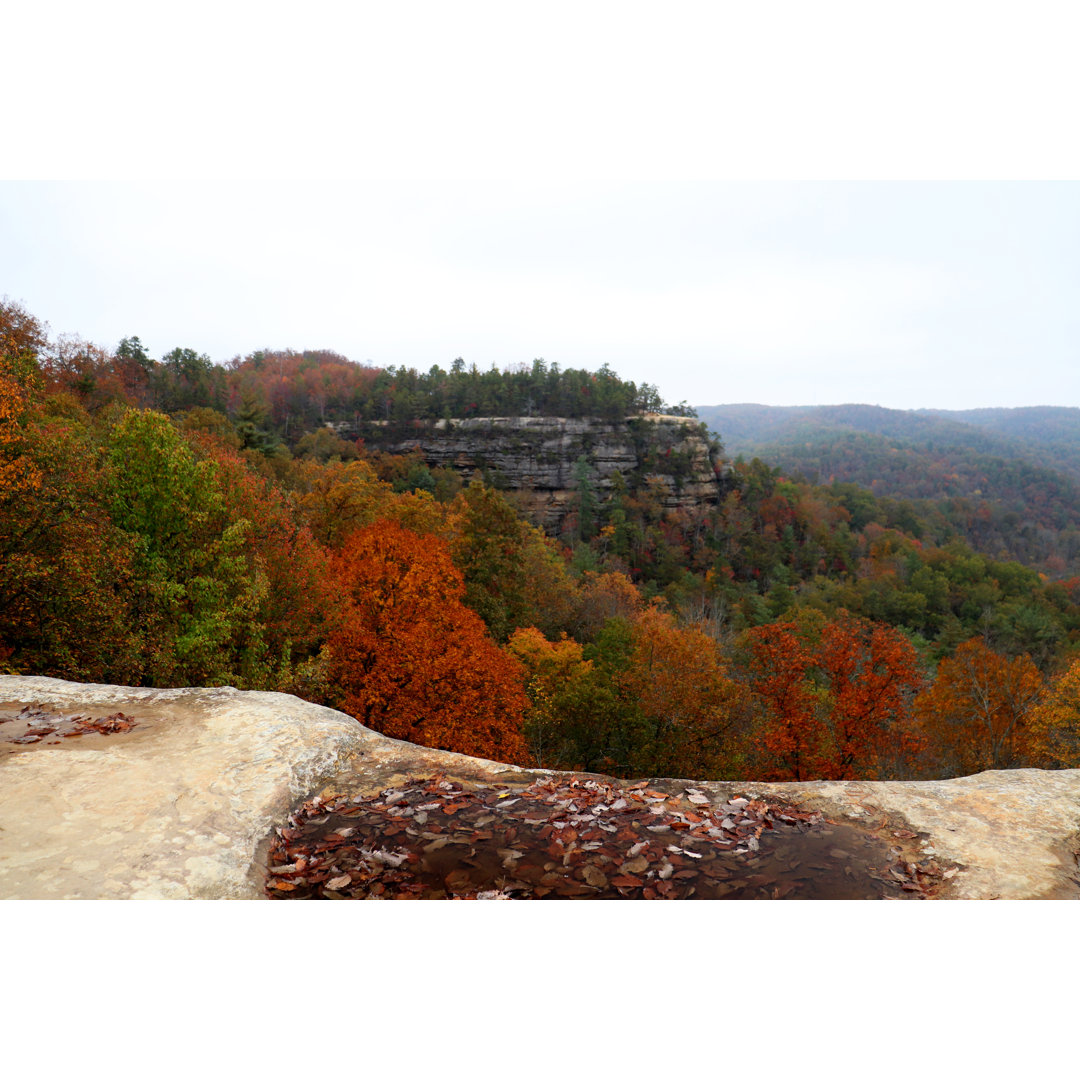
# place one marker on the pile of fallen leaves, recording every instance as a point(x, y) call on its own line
point(433, 838)
point(34, 724)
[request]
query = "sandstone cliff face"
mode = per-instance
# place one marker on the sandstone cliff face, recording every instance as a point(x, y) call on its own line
point(538, 456)
point(184, 804)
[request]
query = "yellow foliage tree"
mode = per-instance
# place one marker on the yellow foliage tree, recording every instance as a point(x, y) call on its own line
point(338, 497)
point(21, 336)
point(557, 679)
point(694, 711)
point(978, 712)
point(1055, 722)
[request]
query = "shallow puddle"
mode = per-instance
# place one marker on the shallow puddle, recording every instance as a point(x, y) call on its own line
point(435, 839)
point(30, 724)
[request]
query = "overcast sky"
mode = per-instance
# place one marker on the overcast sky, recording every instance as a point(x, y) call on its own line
point(947, 295)
point(580, 186)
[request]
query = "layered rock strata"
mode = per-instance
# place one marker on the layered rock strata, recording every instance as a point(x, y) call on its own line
point(545, 458)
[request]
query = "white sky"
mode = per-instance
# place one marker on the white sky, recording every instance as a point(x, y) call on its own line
point(580, 184)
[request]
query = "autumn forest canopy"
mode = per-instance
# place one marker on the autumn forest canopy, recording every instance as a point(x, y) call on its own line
point(839, 611)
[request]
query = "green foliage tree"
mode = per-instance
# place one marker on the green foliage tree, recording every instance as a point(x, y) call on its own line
point(196, 597)
point(66, 570)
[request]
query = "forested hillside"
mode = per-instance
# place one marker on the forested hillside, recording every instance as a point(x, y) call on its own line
point(1050, 434)
point(173, 522)
point(1007, 481)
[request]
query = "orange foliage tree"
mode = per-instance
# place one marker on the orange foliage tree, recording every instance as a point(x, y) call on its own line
point(1054, 724)
point(977, 713)
point(410, 660)
point(282, 556)
point(605, 596)
point(21, 338)
point(872, 672)
point(834, 705)
point(791, 729)
point(656, 699)
point(338, 497)
point(692, 709)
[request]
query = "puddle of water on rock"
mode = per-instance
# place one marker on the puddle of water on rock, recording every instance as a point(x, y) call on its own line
point(421, 845)
point(829, 862)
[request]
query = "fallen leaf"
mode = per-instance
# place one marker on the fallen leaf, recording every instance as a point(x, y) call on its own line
point(595, 876)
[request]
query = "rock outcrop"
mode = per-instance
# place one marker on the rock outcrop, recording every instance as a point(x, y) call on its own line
point(544, 458)
point(114, 792)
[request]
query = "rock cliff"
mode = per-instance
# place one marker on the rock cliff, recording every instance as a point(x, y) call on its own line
point(114, 792)
point(546, 459)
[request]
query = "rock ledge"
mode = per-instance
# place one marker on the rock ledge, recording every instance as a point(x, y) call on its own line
point(184, 803)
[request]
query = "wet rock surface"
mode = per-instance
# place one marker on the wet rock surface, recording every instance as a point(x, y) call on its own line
point(571, 838)
point(32, 724)
point(187, 803)
point(1016, 832)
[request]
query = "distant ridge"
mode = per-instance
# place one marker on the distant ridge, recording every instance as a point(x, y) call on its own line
point(1044, 435)
point(1006, 480)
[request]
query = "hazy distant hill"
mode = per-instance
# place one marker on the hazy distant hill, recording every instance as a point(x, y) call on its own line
point(1049, 433)
point(1008, 480)
point(1044, 435)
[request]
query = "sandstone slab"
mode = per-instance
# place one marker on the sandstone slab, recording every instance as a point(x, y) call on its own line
point(183, 803)
point(1015, 833)
point(177, 806)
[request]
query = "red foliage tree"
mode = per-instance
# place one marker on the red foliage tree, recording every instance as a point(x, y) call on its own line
point(834, 705)
point(872, 673)
point(791, 729)
point(410, 660)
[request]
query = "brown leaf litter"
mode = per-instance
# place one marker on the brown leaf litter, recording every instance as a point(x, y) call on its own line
point(560, 838)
